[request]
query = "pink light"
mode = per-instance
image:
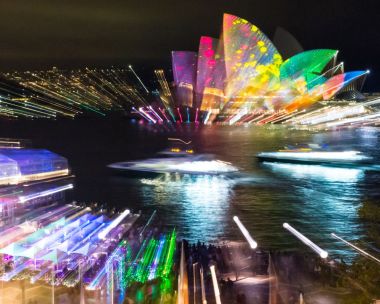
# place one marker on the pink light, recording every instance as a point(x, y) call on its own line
point(196, 116)
point(180, 116)
point(141, 110)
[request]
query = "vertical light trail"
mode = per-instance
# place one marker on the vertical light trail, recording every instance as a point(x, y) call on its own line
point(171, 114)
point(159, 251)
point(180, 116)
point(215, 284)
point(196, 116)
point(204, 301)
point(188, 114)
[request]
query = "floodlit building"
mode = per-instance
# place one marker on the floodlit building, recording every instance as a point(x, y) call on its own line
point(23, 165)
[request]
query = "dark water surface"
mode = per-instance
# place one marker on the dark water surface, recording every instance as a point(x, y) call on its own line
point(315, 200)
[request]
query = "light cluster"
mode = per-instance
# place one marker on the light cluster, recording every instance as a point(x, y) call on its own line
point(68, 93)
point(47, 242)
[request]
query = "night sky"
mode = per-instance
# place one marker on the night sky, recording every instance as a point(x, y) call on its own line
point(99, 33)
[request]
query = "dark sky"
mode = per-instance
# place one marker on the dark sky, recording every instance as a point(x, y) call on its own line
point(40, 34)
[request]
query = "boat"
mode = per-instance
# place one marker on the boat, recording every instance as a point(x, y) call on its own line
point(317, 157)
point(177, 159)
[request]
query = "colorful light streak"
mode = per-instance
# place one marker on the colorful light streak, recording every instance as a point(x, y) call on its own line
point(179, 115)
point(72, 232)
point(58, 93)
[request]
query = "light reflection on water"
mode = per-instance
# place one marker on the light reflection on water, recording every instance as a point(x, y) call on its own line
point(316, 172)
point(331, 199)
point(316, 200)
point(201, 202)
point(316, 203)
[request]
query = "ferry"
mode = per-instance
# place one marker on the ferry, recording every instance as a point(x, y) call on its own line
point(180, 159)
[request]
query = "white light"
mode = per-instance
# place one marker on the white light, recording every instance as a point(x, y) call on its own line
point(239, 115)
point(212, 166)
point(215, 284)
point(207, 117)
point(317, 172)
point(114, 223)
point(26, 198)
point(245, 232)
point(322, 253)
point(343, 155)
point(204, 166)
point(147, 115)
point(356, 248)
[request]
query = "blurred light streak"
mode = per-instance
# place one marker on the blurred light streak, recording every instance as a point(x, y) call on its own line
point(215, 285)
point(138, 78)
point(26, 198)
point(330, 174)
point(361, 251)
point(113, 224)
point(150, 118)
point(322, 253)
point(245, 232)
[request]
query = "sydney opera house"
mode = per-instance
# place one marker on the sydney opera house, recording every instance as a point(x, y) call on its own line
point(239, 78)
point(242, 77)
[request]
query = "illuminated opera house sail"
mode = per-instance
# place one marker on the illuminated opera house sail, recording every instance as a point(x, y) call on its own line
point(241, 76)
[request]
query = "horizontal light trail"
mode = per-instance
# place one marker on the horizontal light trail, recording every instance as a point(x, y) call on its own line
point(25, 198)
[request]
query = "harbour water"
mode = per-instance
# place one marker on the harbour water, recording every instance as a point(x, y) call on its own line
point(316, 200)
